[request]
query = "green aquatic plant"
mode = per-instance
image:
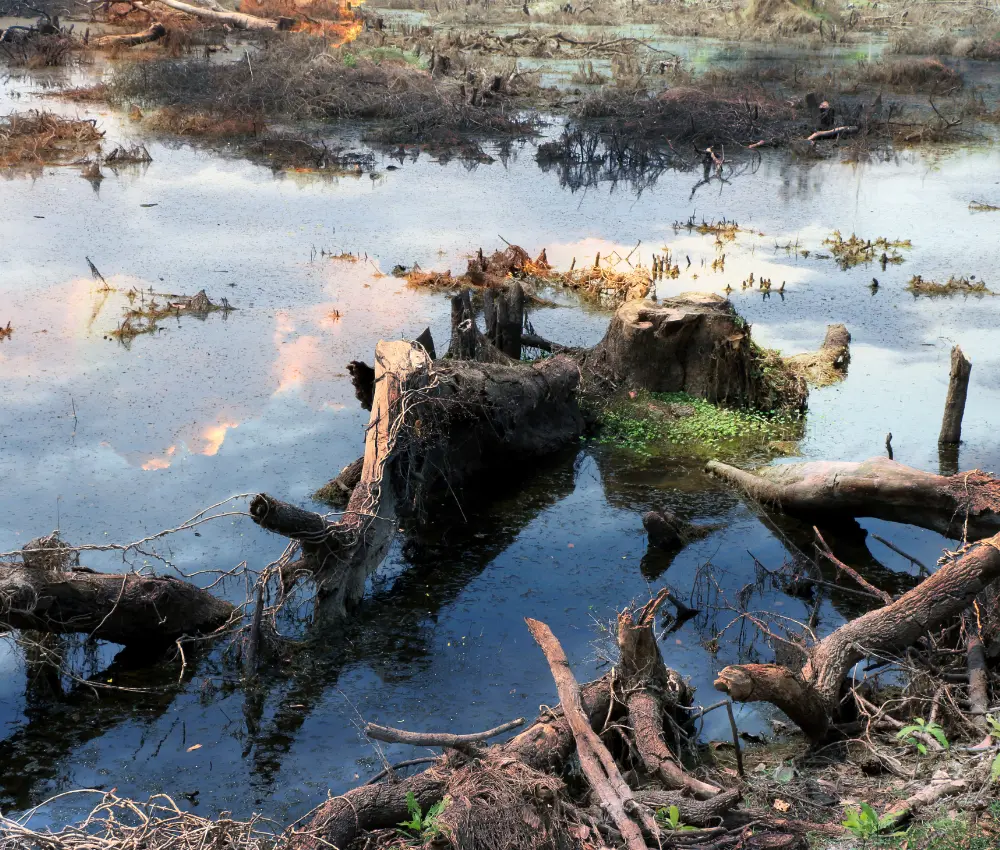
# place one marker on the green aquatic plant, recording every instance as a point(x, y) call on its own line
point(424, 825)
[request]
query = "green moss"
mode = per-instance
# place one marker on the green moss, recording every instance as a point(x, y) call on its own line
point(678, 423)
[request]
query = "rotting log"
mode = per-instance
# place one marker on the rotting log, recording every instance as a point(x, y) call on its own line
point(694, 343)
point(45, 593)
point(432, 427)
point(811, 696)
point(827, 365)
point(692, 812)
point(962, 506)
point(154, 32)
point(954, 405)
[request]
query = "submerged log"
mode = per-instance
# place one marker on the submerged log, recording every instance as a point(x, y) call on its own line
point(46, 593)
point(811, 696)
point(155, 32)
point(694, 343)
point(952, 505)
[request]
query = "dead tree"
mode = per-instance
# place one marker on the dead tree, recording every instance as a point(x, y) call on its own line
point(954, 405)
point(962, 506)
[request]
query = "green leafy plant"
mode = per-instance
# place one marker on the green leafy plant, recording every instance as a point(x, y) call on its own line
point(864, 822)
point(671, 819)
point(995, 732)
point(424, 825)
point(921, 726)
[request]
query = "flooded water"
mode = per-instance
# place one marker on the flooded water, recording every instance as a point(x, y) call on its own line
point(110, 443)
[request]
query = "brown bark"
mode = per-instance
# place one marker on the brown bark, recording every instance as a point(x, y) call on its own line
point(827, 365)
point(955, 505)
point(954, 405)
point(810, 697)
point(125, 609)
point(694, 343)
point(940, 786)
point(597, 763)
point(652, 690)
point(979, 688)
point(155, 32)
point(692, 812)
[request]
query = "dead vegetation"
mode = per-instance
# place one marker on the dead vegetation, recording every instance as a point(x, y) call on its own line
point(147, 312)
point(300, 78)
point(855, 251)
point(953, 286)
point(611, 279)
point(910, 74)
point(6, 331)
point(43, 138)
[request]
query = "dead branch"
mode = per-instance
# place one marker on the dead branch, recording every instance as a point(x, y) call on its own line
point(436, 739)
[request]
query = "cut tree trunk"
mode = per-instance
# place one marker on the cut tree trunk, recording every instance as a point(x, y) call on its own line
point(129, 609)
point(954, 405)
point(811, 696)
point(694, 343)
point(827, 365)
point(432, 428)
point(504, 312)
point(155, 32)
point(960, 506)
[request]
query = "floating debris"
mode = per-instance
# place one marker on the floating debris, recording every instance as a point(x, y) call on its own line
point(953, 286)
point(5, 333)
point(145, 317)
point(133, 155)
point(724, 230)
point(981, 206)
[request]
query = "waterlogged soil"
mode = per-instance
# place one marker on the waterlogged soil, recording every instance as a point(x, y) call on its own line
point(109, 443)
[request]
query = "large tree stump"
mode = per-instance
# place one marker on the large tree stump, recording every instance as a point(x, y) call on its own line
point(694, 343)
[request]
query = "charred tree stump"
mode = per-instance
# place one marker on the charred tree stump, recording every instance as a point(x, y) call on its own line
point(878, 487)
point(504, 312)
point(954, 405)
point(464, 334)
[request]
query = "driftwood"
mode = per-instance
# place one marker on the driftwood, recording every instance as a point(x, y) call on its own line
point(833, 133)
point(436, 739)
point(47, 593)
point(155, 32)
point(966, 505)
point(810, 696)
point(954, 405)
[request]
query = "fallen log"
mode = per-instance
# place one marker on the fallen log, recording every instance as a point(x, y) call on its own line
point(237, 20)
point(834, 133)
point(810, 696)
point(940, 786)
point(966, 505)
point(827, 365)
point(155, 32)
point(47, 593)
point(432, 427)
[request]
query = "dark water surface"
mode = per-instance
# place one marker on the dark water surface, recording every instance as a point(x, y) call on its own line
point(110, 443)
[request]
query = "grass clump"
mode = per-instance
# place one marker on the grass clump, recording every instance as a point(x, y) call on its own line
point(681, 423)
point(43, 138)
point(910, 74)
point(953, 286)
point(855, 251)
